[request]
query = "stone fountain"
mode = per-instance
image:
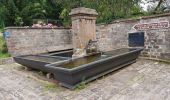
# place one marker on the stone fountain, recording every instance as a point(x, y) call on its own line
point(71, 72)
point(84, 31)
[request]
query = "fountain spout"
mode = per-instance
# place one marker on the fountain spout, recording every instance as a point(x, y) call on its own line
point(91, 47)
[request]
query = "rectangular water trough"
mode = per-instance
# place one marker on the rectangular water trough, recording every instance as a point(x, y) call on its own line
point(72, 72)
point(39, 61)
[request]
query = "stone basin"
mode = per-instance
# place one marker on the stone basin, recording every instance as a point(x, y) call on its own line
point(70, 72)
point(74, 71)
point(39, 61)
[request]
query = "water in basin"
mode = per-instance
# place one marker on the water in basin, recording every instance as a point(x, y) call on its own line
point(83, 60)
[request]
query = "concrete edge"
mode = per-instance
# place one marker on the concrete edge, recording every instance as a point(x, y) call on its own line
point(9, 60)
point(155, 59)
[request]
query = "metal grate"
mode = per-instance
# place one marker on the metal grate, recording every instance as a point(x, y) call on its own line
point(136, 39)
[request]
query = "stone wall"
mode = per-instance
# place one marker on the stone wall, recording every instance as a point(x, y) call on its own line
point(157, 35)
point(111, 36)
point(23, 41)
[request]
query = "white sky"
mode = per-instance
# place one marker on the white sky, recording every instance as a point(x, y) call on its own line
point(145, 5)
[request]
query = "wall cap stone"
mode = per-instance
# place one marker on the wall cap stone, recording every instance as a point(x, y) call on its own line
point(83, 11)
point(136, 19)
point(155, 16)
point(35, 28)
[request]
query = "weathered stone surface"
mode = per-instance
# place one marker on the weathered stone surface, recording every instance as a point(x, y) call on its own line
point(9, 60)
point(143, 80)
point(113, 36)
point(83, 28)
point(23, 41)
point(83, 10)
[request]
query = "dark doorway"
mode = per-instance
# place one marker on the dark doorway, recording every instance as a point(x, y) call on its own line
point(136, 39)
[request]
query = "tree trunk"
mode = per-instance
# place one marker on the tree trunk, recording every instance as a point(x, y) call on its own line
point(159, 4)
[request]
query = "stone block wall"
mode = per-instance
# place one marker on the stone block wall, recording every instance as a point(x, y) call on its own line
point(23, 41)
point(157, 35)
point(157, 41)
point(111, 36)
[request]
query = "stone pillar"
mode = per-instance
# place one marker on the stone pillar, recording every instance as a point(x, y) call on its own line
point(83, 28)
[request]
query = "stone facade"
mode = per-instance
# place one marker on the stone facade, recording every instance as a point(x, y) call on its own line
point(83, 28)
point(113, 36)
point(23, 41)
point(157, 35)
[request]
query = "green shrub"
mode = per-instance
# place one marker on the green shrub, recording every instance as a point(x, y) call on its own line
point(4, 55)
point(3, 48)
point(1, 43)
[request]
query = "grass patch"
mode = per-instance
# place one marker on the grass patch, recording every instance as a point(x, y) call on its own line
point(164, 62)
point(81, 86)
point(158, 60)
point(4, 55)
point(50, 86)
point(2, 43)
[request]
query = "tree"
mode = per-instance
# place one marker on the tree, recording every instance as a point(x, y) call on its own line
point(2, 17)
point(25, 12)
point(108, 9)
point(158, 6)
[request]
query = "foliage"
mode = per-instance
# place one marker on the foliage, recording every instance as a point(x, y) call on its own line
point(2, 29)
point(2, 17)
point(3, 48)
point(158, 6)
point(81, 86)
point(2, 45)
point(4, 55)
point(27, 12)
point(50, 86)
point(18, 21)
point(23, 12)
point(108, 9)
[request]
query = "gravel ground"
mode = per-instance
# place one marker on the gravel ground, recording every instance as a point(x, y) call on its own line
point(143, 80)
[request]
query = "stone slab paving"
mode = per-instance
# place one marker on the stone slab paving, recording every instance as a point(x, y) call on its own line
point(143, 80)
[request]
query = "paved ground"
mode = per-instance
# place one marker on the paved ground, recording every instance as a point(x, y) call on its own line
point(144, 80)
